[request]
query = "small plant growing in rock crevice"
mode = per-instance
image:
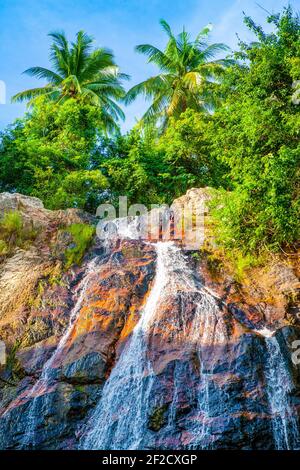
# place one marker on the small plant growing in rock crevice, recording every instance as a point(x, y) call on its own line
point(4, 248)
point(14, 232)
point(82, 236)
point(158, 418)
point(13, 364)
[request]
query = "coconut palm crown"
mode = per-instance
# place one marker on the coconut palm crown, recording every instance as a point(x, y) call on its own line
point(188, 76)
point(79, 72)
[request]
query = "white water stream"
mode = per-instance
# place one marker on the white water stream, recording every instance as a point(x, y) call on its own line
point(46, 377)
point(120, 418)
point(279, 386)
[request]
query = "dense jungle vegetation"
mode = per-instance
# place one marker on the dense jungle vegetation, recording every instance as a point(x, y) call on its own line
point(229, 120)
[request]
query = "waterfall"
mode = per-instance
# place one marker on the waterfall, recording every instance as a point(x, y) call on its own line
point(48, 370)
point(279, 385)
point(208, 329)
point(120, 419)
point(168, 386)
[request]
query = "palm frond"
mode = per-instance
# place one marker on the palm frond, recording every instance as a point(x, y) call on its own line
point(60, 58)
point(166, 27)
point(60, 53)
point(188, 75)
point(155, 56)
point(59, 38)
point(113, 108)
point(212, 50)
point(178, 102)
point(32, 93)
point(183, 41)
point(203, 34)
point(107, 88)
point(148, 88)
point(80, 73)
point(192, 80)
point(41, 72)
point(109, 124)
point(157, 109)
point(98, 61)
point(80, 51)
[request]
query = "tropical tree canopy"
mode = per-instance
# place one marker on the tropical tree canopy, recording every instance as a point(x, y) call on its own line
point(188, 75)
point(80, 72)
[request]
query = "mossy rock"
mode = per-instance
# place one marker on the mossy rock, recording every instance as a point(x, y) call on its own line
point(82, 236)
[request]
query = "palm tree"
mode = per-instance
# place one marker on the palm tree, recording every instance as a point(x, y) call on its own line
point(82, 73)
point(188, 75)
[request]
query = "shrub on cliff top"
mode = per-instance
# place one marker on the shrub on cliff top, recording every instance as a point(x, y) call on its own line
point(13, 232)
point(256, 133)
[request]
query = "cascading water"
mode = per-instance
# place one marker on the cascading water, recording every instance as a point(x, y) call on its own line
point(48, 372)
point(120, 421)
point(208, 329)
point(186, 377)
point(120, 418)
point(279, 385)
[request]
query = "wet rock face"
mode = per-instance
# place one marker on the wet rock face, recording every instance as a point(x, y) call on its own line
point(108, 312)
point(227, 410)
point(203, 365)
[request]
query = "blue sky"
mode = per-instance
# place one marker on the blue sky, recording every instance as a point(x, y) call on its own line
point(118, 24)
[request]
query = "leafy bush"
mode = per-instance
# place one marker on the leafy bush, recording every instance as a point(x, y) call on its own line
point(256, 133)
point(153, 169)
point(82, 236)
point(13, 364)
point(3, 248)
point(47, 154)
point(13, 232)
point(12, 223)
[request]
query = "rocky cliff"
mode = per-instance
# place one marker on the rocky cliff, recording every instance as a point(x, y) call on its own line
point(142, 345)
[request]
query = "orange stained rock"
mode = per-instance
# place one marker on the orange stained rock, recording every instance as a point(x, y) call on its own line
point(130, 323)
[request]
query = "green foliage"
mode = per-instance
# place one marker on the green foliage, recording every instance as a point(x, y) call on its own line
point(47, 155)
point(241, 263)
point(80, 73)
point(248, 148)
point(186, 146)
point(82, 236)
point(153, 169)
point(135, 169)
point(11, 224)
point(4, 249)
point(188, 75)
point(13, 364)
point(256, 133)
point(158, 418)
point(196, 256)
point(13, 232)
